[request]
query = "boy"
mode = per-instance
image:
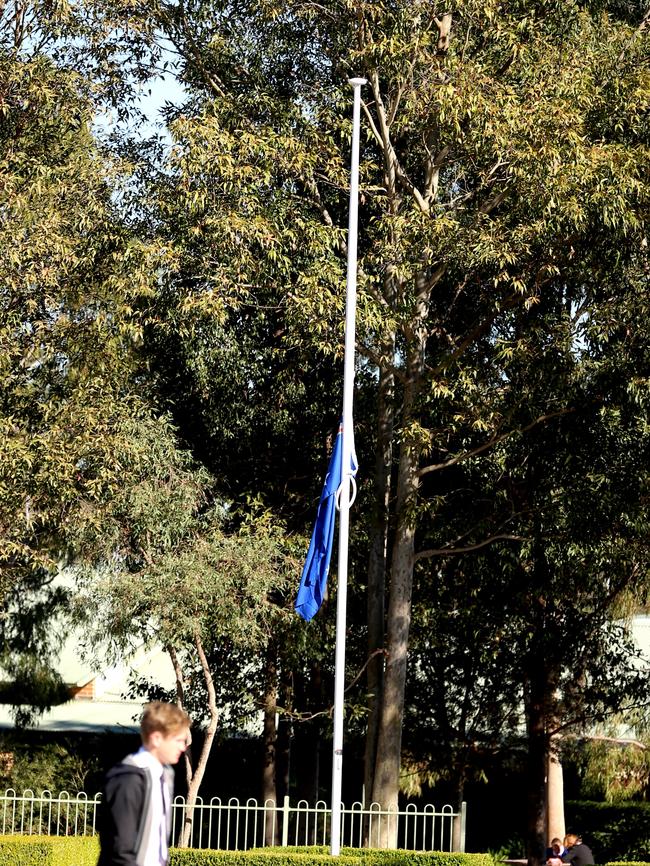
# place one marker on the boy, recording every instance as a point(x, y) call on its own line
point(136, 810)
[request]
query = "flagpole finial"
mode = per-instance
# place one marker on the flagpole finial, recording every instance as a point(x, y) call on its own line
point(357, 82)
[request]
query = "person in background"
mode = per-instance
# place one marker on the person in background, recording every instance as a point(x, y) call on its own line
point(554, 852)
point(136, 811)
point(577, 853)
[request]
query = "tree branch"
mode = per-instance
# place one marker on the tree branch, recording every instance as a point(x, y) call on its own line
point(193, 56)
point(307, 717)
point(180, 701)
point(645, 21)
point(434, 467)
point(456, 551)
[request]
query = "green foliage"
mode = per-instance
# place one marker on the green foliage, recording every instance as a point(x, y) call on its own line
point(295, 856)
point(618, 831)
point(625, 863)
point(47, 766)
point(268, 857)
point(48, 851)
point(72, 420)
point(71, 276)
point(615, 772)
point(420, 858)
point(502, 259)
point(381, 856)
point(74, 423)
point(26, 850)
point(208, 582)
point(75, 851)
point(31, 688)
point(502, 284)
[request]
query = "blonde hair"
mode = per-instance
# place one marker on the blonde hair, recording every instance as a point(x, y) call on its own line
point(571, 839)
point(166, 718)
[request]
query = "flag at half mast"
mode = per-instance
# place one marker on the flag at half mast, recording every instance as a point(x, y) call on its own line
point(314, 574)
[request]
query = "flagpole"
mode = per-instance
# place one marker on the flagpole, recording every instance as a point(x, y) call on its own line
point(346, 475)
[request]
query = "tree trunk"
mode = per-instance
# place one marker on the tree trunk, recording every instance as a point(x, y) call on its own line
point(197, 776)
point(460, 796)
point(554, 794)
point(269, 737)
point(377, 575)
point(180, 700)
point(389, 742)
point(537, 761)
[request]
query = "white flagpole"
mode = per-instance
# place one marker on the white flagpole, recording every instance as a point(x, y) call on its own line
point(346, 476)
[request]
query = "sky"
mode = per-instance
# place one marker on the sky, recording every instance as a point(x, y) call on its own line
point(161, 90)
point(154, 95)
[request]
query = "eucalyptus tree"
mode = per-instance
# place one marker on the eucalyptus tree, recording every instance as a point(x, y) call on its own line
point(71, 276)
point(505, 161)
point(522, 627)
point(181, 580)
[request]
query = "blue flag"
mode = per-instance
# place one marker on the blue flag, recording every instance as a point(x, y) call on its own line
point(314, 574)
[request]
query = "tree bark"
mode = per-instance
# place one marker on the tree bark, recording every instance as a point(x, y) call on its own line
point(377, 574)
point(269, 737)
point(554, 795)
point(180, 700)
point(537, 758)
point(460, 796)
point(197, 776)
point(389, 742)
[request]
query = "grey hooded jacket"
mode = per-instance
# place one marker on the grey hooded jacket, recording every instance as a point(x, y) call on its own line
point(125, 813)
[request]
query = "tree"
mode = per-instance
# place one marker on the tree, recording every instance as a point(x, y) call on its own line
point(199, 590)
point(71, 276)
point(497, 152)
point(504, 184)
point(571, 494)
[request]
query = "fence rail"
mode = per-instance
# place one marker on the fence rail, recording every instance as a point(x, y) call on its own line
point(66, 815)
point(233, 825)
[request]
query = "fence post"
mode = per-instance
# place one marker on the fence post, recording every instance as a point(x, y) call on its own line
point(285, 821)
point(458, 829)
point(463, 821)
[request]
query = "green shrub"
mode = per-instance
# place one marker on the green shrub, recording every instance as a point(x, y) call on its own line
point(420, 858)
point(380, 857)
point(626, 863)
point(24, 850)
point(74, 850)
point(48, 851)
point(616, 832)
point(43, 766)
point(257, 857)
point(389, 857)
point(83, 851)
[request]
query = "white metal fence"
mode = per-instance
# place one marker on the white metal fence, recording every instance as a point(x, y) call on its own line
point(233, 825)
point(66, 815)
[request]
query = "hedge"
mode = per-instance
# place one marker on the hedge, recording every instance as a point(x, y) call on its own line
point(421, 858)
point(318, 856)
point(385, 857)
point(48, 851)
point(26, 850)
point(83, 851)
point(626, 863)
point(392, 857)
point(257, 857)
